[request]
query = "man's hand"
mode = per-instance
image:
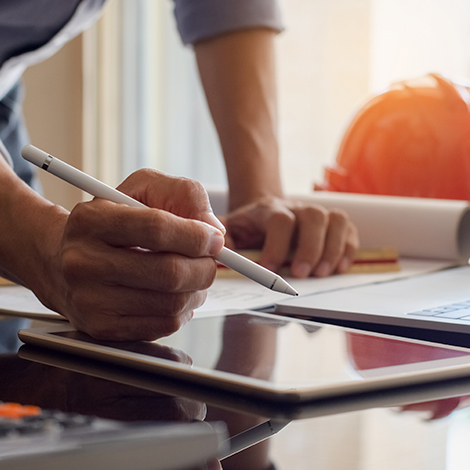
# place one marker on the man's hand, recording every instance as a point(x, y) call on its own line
point(127, 273)
point(321, 242)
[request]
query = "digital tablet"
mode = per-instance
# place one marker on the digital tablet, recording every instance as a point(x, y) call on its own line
point(273, 366)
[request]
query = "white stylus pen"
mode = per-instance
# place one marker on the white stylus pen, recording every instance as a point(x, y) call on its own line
point(99, 189)
point(252, 436)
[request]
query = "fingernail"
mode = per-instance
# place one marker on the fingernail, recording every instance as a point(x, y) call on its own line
point(216, 242)
point(211, 219)
point(323, 269)
point(302, 269)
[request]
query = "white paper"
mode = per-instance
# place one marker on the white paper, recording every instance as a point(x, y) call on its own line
point(416, 227)
point(19, 301)
point(245, 294)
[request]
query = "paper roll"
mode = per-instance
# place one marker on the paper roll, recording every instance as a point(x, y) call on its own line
point(416, 227)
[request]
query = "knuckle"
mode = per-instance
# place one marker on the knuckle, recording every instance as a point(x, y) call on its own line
point(146, 173)
point(143, 174)
point(158, 227)
point(172, 274)
point(191, 189)
point(199, 239)
point(317, 214)
point(179, 275)
point(210, 272)
point(282, 218)
point(72, 265)
point(313, 213)
point(79, 217)
point(338, 217)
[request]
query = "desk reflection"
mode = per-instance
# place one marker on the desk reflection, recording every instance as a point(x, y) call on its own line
point(371, 352)
point(53, 388)
point(253, 348)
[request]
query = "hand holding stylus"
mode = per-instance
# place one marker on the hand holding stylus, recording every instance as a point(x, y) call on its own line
point(99, 189)
point(135, 271)
point(129, 273)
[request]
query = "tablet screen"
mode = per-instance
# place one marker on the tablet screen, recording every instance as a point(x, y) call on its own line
point(267, 356)
point(266, 347)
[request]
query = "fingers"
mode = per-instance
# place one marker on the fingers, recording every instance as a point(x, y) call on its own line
point(313, 225)
point(327, 242)
point(438, 409)
point(137, 268)
point(153, 229)
point(124, 314)
point(321, 242)
point(136, 273)
point(180, 196)
point(280, 227)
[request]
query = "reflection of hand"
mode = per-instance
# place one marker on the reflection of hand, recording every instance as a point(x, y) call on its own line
point(53, 388)
point(249, 349)
point(125, 403)
point(323, 241)
point(439, 408)
point(372, 352)
point(131, 273)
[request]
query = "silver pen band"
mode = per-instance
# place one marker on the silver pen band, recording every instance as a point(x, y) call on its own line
point(47, 162)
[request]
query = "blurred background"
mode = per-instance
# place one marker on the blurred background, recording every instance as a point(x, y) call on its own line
point(126, 93)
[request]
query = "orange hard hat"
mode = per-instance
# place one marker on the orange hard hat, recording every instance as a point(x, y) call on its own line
point(411, 140)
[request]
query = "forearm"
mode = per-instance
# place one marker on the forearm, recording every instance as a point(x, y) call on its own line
point(29, 225)
point(238, 74)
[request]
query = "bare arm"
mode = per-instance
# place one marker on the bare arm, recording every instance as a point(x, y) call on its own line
point(238, 74)
point(30, 226)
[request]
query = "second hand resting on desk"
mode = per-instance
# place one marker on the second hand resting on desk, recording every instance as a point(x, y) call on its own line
point(99, 189)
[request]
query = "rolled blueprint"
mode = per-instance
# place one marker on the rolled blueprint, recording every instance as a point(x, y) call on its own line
point(415, 227)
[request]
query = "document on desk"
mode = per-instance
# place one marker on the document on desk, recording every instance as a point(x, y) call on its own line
point(240, 293)
point(19, 301)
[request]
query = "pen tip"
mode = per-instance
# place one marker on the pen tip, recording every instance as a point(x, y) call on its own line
point(291, 291)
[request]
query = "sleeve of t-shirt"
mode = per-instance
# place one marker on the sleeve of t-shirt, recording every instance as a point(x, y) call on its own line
point(5, 154)
point(203, 19)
